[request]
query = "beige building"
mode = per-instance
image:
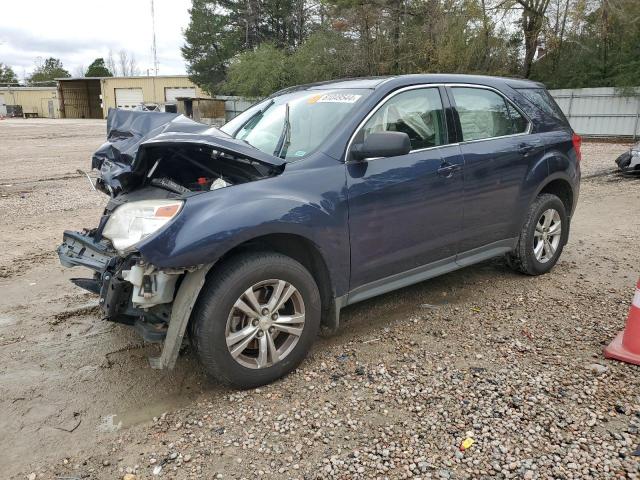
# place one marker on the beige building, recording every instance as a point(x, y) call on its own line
point(35, 101)
point(92, 97)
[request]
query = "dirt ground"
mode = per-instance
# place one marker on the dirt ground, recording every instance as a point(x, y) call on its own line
point(484, 353)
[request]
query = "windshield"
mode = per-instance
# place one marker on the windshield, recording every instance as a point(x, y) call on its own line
point(294, 124)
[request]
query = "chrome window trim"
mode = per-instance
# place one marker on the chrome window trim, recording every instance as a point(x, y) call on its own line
point(436, 85)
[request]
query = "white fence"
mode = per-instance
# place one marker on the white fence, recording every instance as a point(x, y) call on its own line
point(600, 112)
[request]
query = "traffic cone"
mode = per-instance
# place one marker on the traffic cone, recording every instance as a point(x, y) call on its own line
point(626, 346)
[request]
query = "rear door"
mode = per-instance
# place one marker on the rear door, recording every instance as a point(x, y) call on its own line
point(498, 149)
point(406, 211)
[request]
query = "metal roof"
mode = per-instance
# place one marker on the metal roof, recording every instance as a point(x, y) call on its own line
point(117, 78)
point(22, 89)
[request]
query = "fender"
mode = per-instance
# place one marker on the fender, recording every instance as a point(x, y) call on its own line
point(536, 175)
point(562, 165)
point(553, 165)
point(213, 223)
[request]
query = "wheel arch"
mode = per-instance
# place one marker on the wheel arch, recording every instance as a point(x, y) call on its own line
point(561, 188)
point(304, 251)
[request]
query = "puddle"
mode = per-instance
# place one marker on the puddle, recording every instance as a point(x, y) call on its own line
point(144, 413)
point(107, 424)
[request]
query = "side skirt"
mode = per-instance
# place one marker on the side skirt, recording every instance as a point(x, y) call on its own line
point(422, 273)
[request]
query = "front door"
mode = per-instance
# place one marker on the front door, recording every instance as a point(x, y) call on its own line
point(405, 212)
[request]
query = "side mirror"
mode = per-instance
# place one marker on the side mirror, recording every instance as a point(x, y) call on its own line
point(382, 144)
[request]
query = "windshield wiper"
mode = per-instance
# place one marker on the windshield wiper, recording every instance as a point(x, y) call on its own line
point(253, 117)
point(285, 137)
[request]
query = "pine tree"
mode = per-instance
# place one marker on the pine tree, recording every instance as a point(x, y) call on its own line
point(210, 42)
point(98, 69)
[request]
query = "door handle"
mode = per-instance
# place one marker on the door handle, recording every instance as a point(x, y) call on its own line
point(447, 170)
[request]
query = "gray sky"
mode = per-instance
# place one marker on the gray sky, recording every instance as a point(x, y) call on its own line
point(78, 31)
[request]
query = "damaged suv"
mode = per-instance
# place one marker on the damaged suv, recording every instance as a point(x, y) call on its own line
point(250, 238)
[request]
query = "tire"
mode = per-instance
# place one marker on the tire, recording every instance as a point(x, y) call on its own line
point(216, 317)
point(523, 258)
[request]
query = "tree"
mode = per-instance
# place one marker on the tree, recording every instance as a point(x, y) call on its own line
point(253, 47)
point(7, 75)
point(123, 62)
point(219, 30)
point(111, 63)
point(46, 72)
point(210, 44)
point(259, 72)
point(533, 17)
point(133, 66)
point(98, 69)
point(325, 55)
point(600, 47)
point(128, 67)
point(79, 71)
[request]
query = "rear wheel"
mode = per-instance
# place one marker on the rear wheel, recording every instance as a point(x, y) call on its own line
point(542, 237)
point(256, 319)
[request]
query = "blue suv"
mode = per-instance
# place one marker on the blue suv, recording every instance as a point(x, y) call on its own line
point(250, 238)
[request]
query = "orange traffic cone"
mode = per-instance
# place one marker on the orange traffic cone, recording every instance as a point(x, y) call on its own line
point(626, 345)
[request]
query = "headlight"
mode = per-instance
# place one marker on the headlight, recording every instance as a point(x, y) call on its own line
point(134, 221)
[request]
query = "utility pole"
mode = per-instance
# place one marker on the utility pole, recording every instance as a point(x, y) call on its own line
point(153, 45)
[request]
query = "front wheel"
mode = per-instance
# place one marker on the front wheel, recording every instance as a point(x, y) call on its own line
point(542, 237)
point(256, 319)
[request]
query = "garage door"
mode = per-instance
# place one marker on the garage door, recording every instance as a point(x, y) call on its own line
point(128, 98)
point(170, 93)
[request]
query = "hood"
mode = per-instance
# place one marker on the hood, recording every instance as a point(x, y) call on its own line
point(130, 132)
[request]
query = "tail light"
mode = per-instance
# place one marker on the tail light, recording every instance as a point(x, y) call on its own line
point(577, 143)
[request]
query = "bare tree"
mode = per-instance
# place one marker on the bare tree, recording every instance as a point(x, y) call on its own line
point(79, 71)
point(533, 16)
point(123, 62)
point(133, 65)
point(111, 63)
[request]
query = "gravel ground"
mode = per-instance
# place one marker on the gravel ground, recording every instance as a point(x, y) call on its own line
point(512, 362)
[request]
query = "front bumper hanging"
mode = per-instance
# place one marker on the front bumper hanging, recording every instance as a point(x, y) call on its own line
point(80, 249)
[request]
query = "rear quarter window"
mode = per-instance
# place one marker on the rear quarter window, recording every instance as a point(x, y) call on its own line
point(542, 99)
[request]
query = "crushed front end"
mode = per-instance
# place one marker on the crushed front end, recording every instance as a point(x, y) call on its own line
point(150, 166)
point(130, 291)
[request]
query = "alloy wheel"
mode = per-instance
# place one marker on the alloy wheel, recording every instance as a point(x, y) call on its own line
point(546, 238)
point(265, 324)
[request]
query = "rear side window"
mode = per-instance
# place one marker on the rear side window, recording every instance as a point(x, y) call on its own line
point(418, 113)
point(544, 101)
point(485, 114)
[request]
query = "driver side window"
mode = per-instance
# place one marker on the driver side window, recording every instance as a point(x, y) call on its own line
point(418, 113)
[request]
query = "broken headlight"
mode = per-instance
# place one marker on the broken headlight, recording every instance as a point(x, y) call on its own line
point(134, 221)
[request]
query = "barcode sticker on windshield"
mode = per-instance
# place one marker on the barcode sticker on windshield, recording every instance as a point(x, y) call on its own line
point(338, 98)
